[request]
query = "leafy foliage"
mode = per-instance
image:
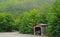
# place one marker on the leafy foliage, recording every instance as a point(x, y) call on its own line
point(29, 19)
point(53, 28)
point(6, 22)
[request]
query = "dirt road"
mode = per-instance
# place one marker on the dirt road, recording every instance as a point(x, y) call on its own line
point(15, 34)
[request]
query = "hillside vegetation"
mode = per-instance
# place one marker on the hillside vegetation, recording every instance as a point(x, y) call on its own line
point(18, 6)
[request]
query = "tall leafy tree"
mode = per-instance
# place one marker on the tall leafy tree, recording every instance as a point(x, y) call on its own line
point(29, 19)
point(53, 28)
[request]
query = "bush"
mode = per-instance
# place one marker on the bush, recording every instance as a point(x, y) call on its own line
point(17, 21)
point(53, 28)
point(7, 22)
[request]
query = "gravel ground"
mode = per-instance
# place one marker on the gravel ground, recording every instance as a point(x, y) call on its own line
point(15, 34)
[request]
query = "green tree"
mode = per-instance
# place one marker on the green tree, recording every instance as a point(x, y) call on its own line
point(53, 28)
point(29, 19)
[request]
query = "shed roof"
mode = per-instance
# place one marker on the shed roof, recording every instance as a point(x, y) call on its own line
point(39, 25)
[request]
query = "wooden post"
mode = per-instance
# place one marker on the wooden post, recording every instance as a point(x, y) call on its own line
point(43, 29)
point(34, 30)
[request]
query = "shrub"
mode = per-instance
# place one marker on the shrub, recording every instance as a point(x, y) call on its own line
point(53, 28)
point(6, 22)
point(17, 21)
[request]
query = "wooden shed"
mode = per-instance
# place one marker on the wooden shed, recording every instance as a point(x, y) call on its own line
point(40, 29)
